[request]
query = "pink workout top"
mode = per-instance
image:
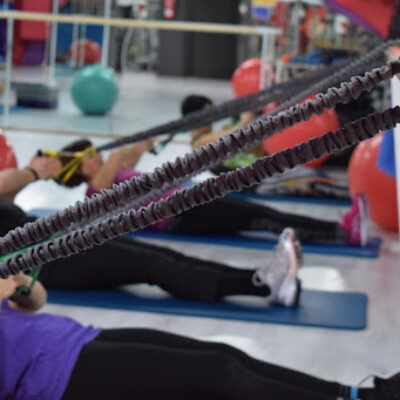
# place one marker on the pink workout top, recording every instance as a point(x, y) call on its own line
point(125, 174)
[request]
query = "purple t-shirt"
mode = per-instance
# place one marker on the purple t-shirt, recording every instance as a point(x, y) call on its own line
point(38, 353)
point(122, 176)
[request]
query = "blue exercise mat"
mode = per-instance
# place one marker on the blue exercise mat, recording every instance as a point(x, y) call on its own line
point(323, 201)
point(316, 308)
point(13, 109)
point(369, 251)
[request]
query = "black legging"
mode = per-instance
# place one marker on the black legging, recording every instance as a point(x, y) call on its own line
point(223, 217)
point(125, 261)
point(230, 216)
point(149, 364)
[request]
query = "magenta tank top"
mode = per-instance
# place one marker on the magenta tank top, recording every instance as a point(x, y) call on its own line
point(125, 174)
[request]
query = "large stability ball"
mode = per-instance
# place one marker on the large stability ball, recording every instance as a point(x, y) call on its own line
point(246, 78)
point(316, 126)
point(90, 49)
point(95, 90)
point(380, 188)
point(7, 155)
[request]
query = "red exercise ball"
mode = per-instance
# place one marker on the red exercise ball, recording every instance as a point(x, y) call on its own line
point(91, 49)
point(380, 188)
point(246, 78)
point(316, 126)
point(7, 155)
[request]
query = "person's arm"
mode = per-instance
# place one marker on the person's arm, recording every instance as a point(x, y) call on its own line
point(36, 299)
point(13, 180)
point(107, 173)
point(202, 140)
point(211, 137)
point(133, 153)
point(126, 157)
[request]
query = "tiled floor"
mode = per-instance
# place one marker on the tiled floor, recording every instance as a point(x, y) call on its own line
point(333, 354)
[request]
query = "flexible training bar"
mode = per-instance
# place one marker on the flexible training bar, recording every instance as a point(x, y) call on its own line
point(191, 162)
point(196, 119)
point(278, 92)
point(356, 67)
point(202, 193)
point(349, 70)
point(154, 192)
point(303, 91)
point(296, 89)
point(135, 203)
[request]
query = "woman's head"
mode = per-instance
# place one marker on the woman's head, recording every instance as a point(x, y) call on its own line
point(89, 167)
point(194, 103)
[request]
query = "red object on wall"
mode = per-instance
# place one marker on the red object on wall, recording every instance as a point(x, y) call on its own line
point(169, 9)
point(33, 30)
point(375, 15)
point(279, 19)
point(91, 49)
point(18, 47)
point(7, 155)
point(380, 188)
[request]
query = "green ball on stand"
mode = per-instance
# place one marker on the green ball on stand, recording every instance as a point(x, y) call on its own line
point(95, 90)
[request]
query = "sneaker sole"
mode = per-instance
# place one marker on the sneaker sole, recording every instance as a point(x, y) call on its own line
point(298, 293)
point(281, 299)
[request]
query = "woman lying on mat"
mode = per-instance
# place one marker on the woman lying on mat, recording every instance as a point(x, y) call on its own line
point(125, 261)
point(300, 181)
point(227, 216)
point(50, 357)
point(205, 134)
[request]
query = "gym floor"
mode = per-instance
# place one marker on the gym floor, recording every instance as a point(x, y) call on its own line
point(347, 356)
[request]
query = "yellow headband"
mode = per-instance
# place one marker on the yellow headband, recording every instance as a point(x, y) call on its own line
point(68, 170)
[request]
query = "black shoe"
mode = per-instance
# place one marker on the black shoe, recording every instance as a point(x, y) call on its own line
point(387, 389)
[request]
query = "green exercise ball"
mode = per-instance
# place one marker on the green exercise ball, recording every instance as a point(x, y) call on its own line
point(95, 90)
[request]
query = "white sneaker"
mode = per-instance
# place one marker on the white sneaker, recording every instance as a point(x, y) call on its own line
point(280, 273)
